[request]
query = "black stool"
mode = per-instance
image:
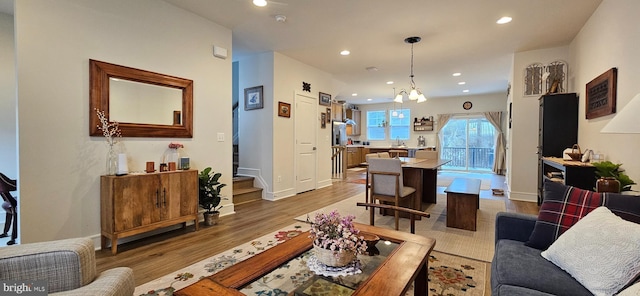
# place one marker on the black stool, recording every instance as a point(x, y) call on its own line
point(10, 205)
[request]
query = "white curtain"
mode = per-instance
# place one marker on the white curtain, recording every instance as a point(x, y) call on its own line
point(442, 121)
point(499, 161)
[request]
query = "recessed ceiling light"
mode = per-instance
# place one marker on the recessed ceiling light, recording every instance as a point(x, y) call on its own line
point(389, 82)
point(369, 100)
point(354, 94)
point(465, 91)
point(261, 3)
point(504, 20)
point(372, 69)
point(462, 83)
point(345, 52)
point(456, 74)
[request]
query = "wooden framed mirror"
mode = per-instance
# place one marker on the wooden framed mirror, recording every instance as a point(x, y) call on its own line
point(144, 103)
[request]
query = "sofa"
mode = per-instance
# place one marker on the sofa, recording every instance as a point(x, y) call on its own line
point(518, 266)
point(68, 266)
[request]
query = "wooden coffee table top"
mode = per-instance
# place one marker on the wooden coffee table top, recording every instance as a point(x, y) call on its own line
point(393, 277)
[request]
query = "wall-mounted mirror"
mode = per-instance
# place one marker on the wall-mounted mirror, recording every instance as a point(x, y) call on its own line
point(145, 104)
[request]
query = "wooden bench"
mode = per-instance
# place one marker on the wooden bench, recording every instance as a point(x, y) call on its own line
point(412, 213)
point(463, 202)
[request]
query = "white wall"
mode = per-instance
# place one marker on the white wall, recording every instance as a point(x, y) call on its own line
point(267, 141)
point(523, 169)
point(433, 107)
point(611, 38)
point(60, 165)
point(8, 152)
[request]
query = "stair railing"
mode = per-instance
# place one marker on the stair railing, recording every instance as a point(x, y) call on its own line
point(339, 162)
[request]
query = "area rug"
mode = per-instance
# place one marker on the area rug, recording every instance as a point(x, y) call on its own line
point(446, 177)
point(477, 244)
point(448, 275)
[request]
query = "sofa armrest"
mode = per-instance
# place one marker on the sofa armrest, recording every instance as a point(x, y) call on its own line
point(117, 281)
point(514, 226)
point(64, 264)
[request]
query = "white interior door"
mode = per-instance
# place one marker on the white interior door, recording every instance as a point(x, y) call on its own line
point(305, 128)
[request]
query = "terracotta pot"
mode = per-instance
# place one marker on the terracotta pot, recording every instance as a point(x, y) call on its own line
point(211, 218)
point(608, 184)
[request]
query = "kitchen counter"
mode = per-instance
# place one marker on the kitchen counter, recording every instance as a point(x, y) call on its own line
point(392, 147)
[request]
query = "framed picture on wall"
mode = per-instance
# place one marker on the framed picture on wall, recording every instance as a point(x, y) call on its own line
point(284, 109)
point(601, 94)
point(253, 98)
point(325, 99)
point(328, 115)
point(323, 120)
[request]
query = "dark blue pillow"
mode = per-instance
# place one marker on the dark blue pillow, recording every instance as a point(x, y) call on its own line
point(563, 206)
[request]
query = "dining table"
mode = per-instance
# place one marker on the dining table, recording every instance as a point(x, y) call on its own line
point(421, 174)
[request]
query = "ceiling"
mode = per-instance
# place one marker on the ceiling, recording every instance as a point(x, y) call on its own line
point(457, 36)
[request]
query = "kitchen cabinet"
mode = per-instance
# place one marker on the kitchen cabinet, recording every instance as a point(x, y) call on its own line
point(557, 129)
point(134, 204)
point(354, 156)
point(337, 111)
point(355, 115)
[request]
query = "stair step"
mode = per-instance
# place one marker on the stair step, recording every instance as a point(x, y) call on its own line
point(245, 195)
point(240, 182)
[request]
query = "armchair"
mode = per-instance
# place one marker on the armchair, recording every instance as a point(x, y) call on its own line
point(68, 266)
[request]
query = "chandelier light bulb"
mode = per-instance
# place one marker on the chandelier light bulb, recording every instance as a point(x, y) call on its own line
point(401, 115)
point(413, 95)
point(422, 98)
point(394, 113)
point(398, 98)
point(260, 3)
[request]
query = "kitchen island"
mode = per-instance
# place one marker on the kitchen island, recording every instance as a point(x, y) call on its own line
point(356, 153)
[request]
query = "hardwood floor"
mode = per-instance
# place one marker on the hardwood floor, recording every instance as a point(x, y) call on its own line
point(158, 255)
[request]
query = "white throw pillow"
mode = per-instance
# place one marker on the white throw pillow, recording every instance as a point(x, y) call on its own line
point(634, 290)
point(601, 251)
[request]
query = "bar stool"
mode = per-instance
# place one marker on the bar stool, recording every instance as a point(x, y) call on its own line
point(10, 205)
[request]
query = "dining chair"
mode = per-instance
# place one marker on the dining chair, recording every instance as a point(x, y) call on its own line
point(384, 155)
point(387, 185)
point(10, 205)
point(426, 154)
point(367, 178)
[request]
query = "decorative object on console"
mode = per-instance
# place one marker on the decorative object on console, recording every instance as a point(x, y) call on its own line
point(111, 133)
point(576, 153)
point(336, 241)
point(608, 184)
point(610, 169)
point(123, 167)
point(151, 167)
point(172, 154)
point(209, 195)
point(601, 95)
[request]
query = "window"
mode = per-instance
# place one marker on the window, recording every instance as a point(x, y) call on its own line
point(399, 128)
point(377, 124)
point(469, 143)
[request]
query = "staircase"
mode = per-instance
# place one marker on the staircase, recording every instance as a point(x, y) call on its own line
point(243, 190)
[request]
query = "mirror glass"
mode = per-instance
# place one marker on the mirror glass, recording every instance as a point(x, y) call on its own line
point(144, 103)
point(136, 102)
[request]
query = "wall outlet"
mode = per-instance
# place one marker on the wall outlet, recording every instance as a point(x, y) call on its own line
point(279, 179)
point(220, 137)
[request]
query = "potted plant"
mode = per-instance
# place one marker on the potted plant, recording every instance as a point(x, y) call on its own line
point(608, 169)
point(209, 195)
point(336, 241)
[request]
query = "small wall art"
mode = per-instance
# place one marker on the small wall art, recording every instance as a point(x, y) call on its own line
point(323, 120)
point(328, 115)
point(601, 95)
point(325, 99)
point(253, 98)
point(284, 109)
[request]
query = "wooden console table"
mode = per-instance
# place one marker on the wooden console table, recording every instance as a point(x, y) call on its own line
point(138, 203)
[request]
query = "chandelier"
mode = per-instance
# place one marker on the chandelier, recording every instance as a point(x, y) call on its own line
point(414, 93)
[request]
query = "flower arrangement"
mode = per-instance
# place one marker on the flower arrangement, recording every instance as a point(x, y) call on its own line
point(110, 130)
point(336, 233)
point(175, 145)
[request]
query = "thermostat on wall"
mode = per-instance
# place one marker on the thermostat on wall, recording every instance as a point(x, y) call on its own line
point(219, 52)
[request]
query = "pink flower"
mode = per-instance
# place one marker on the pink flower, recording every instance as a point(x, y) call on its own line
point(173, 145)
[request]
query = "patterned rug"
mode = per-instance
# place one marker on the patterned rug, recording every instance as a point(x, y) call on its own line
point(448, 275)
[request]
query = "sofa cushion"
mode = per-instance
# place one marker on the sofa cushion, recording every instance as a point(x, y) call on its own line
point(601, 252)
point(563, 206)
point(515, 264)
point(520, 291)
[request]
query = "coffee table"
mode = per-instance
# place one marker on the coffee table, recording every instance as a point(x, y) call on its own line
point(405, 264)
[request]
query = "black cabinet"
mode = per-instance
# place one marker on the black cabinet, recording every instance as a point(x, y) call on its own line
point(558, 128)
